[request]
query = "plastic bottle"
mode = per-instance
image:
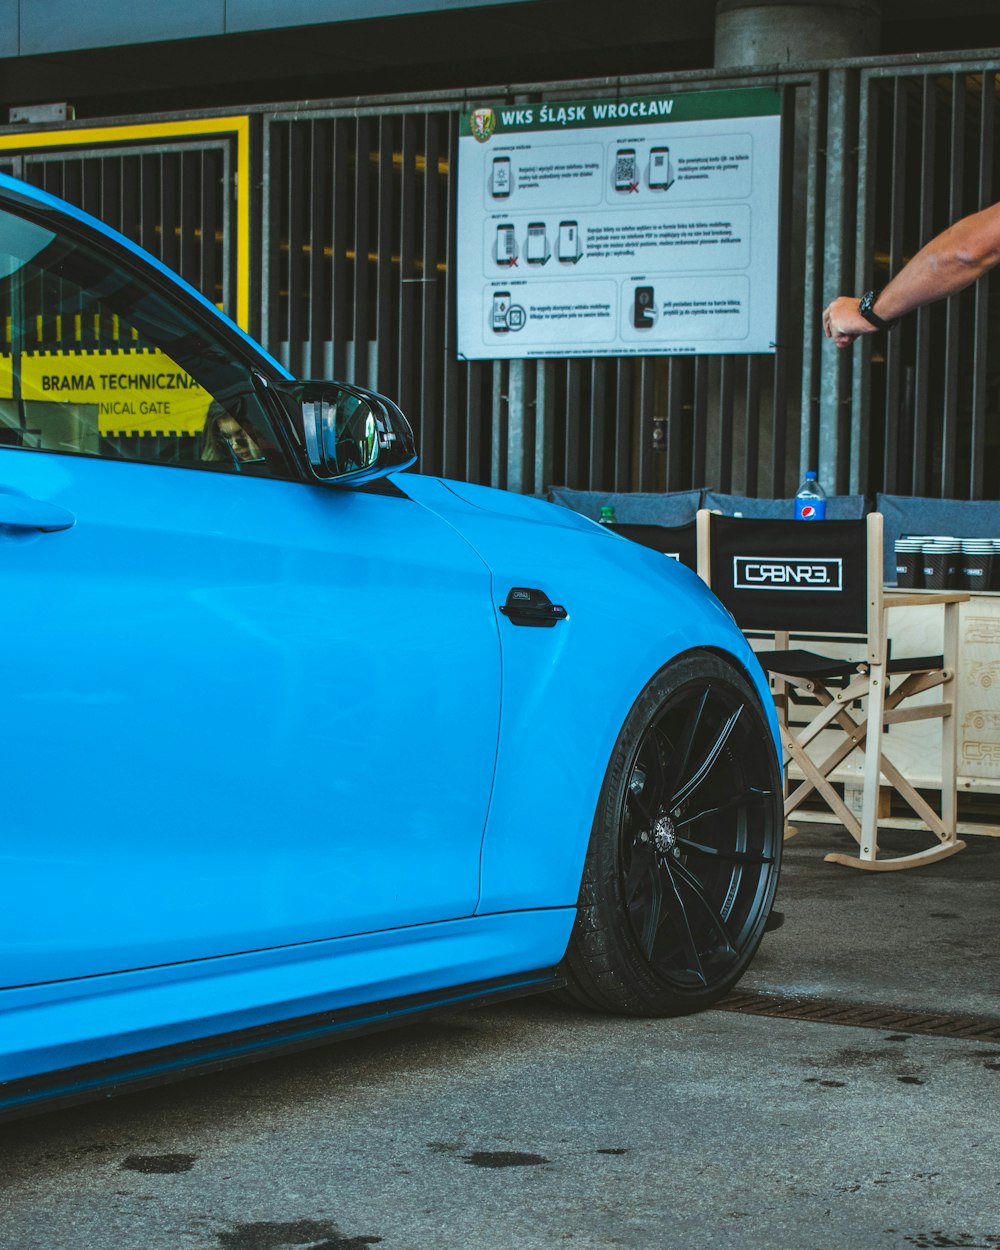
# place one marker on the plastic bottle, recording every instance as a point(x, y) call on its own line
point(810, 499)
point(607, 514)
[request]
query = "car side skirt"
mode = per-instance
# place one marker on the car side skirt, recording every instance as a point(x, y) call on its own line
point(127, 1074)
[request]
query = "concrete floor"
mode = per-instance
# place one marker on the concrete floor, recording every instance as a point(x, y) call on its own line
point(926, 938)
point(528, 1127)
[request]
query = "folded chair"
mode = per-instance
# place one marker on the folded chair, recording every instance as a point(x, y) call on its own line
point(824, 579)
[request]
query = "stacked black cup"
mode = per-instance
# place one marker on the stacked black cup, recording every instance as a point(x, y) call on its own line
point(978, 562)
point(942, 562)
point(909, 563)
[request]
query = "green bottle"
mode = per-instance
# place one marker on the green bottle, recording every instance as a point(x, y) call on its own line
point(607, 514)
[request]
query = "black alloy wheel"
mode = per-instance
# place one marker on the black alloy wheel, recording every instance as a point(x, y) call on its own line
point(686, 847)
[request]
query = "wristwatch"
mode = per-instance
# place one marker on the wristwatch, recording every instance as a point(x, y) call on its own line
point(866, 309)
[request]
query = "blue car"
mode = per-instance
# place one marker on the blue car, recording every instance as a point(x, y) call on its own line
point(301, 743)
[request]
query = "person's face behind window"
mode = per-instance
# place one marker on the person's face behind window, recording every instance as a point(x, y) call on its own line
point(238, 440)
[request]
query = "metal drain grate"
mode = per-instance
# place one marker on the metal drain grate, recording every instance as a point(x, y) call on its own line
point(820, 1011)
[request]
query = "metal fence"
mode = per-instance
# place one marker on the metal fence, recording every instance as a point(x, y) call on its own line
point(359, 246)
point(175, 200)
point(352, 214)
point(924, 401)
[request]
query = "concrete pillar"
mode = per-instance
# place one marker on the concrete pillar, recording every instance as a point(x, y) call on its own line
point(791, 32)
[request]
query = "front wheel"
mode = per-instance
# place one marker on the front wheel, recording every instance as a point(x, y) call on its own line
point(685, 849)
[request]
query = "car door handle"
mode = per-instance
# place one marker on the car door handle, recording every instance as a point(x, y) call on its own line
point(527, 606)
point(24, 513)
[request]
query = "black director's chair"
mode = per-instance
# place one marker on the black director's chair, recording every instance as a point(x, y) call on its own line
point(677, 541)
point(783, 578)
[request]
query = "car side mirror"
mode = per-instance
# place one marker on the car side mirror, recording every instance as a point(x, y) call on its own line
point(351, 434)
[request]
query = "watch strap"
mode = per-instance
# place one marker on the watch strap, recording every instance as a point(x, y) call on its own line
point(866, 309)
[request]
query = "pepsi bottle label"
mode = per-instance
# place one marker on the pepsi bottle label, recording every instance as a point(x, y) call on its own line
point(810, 509)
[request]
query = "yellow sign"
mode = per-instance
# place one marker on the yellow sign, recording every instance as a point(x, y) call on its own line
point(140, 390)
point(6, 377)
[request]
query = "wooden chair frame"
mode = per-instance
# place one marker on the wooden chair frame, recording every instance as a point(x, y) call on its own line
point(871, 681)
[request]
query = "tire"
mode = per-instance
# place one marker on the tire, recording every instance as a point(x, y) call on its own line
point(685, 850)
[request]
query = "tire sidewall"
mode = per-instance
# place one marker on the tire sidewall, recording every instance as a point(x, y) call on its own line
point(603, 935)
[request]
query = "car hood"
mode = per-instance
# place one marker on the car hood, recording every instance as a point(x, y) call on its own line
point(507, 504)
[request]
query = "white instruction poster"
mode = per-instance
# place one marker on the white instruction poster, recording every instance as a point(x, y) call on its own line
point(619, 227)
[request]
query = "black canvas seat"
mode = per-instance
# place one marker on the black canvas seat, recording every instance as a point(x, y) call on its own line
point(826, 668)
point(821, 583)
point(677, 541)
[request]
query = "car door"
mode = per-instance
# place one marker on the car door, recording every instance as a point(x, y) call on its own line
point(241, 711)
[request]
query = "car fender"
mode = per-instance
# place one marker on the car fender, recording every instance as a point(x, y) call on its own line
point(568, 689)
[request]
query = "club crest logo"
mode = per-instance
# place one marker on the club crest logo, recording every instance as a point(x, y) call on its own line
point(482, 123)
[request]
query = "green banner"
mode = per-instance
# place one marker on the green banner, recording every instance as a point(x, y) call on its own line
point(483, 123)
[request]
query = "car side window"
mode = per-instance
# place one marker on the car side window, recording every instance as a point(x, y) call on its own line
point(96, 362)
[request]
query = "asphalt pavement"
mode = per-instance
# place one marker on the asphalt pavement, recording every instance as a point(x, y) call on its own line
point(530, 1126)
point(924, 938)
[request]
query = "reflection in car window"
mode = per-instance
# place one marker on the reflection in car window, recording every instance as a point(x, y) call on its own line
point(95, 362)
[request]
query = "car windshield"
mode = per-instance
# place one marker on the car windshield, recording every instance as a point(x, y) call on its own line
point(96, 361)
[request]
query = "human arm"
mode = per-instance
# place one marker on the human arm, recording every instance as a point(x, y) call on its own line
point(947, 264)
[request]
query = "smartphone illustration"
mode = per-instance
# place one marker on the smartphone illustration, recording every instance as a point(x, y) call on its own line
point(500, 178)
point(501, 307)
point(506, 244)
point(644, 308)
point(659, 169)
point(569, 242)
point(537, 253)
point(625, 178)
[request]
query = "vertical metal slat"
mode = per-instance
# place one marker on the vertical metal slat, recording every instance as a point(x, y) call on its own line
point(678, 443)
point(410, 280)
point(297, 198)
point(700, 422)
point(386, 290)
point(920, 455)
point(861, 381)
point(950, 414)
point(451, 423)
point(621, 450)
point(977, 447)
point(751, 426)
point(726, 405)
point(576, 471)
point(341, 311)
point(315, 270)
point(893, 350)
point(431, 296)
point(598, 423)
point(362, 294)
point(645, 460)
